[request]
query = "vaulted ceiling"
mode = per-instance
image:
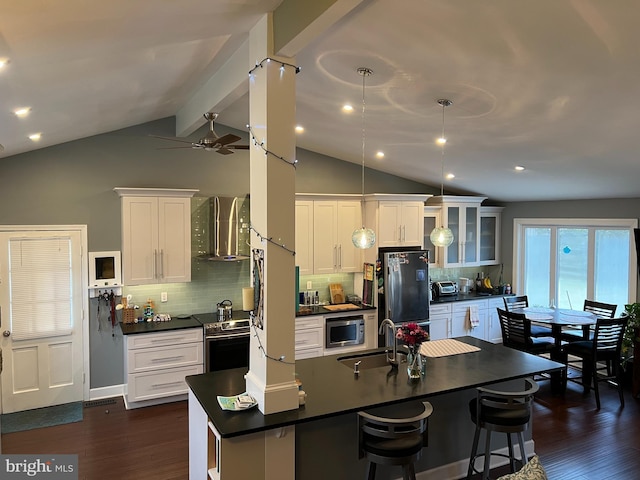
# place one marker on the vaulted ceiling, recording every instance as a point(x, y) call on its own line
point(549, 85)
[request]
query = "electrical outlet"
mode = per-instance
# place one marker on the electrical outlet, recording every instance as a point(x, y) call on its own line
point(309, 285)
point(163, 297)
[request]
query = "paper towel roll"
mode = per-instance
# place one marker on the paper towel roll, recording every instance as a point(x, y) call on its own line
point(247, 299)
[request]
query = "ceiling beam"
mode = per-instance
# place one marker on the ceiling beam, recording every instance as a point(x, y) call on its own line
point(296, 23)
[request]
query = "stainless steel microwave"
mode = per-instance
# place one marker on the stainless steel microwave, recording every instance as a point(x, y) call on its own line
point(343, 331)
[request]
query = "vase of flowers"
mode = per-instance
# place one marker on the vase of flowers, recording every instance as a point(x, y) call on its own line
point(413, 335)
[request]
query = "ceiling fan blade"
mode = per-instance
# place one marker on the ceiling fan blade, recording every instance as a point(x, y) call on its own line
point(228, 138)
point(173, 148)
point(238, 147)
point(174, 139)
point(224, 151)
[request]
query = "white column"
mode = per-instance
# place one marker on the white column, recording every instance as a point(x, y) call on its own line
point(272, 120)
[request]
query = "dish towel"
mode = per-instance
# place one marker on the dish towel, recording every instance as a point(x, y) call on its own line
point(474, 316)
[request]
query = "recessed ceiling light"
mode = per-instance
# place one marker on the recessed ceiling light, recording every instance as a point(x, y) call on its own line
point(3, 62)
point(22, 111)
point(441, 141)
point(299, 129)
point(347, 108)
point(450, 176)
point(380, 154)
point(519, 168)
point(35, 136)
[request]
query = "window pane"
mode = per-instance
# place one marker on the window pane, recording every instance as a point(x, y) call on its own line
point(611, 267)
point(573, 249)
point(537, 260)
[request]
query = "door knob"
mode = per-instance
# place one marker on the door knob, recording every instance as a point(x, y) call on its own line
point(6, 333)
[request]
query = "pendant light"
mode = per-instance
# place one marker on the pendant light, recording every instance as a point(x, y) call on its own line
point(363, 237)
point(442, 236)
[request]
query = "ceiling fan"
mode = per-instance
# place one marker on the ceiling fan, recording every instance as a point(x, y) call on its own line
point(210, 141)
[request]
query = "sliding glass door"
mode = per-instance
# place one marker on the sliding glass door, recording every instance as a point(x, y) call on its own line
point(561, 262)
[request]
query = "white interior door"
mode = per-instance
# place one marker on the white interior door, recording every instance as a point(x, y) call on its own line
point(41, 301)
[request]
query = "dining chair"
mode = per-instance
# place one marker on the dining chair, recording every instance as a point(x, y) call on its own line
point(600, 355)
point(500, 411)
point(522, 301)
point(601, 310)
point(393, 441)
point(516, 333)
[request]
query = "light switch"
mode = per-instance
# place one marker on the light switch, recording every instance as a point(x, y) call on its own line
point(163, 297)
point(309, 285)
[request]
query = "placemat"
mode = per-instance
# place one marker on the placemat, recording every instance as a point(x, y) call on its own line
point(445, 347)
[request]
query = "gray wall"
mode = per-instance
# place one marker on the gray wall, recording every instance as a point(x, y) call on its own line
point(607, 208)
point(73, 183)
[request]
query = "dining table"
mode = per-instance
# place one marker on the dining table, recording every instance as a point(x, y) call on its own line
point(558, 319)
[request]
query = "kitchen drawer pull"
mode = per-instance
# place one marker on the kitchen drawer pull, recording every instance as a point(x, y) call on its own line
point(168, 384)
point(167, 359)
point(162, 340)
point(301, 342)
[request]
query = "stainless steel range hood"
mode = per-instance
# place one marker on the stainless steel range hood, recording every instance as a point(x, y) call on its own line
point(228, 229)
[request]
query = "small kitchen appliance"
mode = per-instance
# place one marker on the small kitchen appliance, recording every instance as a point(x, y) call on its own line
point(343, 331)
point(445, 288)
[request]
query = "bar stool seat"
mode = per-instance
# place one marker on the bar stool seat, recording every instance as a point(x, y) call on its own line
point(500, 411)
point(393, 441)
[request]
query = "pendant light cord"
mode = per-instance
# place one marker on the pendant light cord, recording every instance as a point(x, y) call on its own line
point(364, 75)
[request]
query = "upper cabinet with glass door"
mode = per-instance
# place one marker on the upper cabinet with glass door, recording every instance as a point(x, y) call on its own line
point(462, 215)
point(490, 228)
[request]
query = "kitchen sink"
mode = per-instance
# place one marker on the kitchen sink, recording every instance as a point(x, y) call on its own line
point(370, 360)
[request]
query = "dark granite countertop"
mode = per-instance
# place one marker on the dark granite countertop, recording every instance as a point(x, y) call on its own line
point(461, 297)
point(149, 327)
point(332, 389)
point(320, 310)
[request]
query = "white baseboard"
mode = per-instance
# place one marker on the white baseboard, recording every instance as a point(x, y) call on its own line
point(106, 392)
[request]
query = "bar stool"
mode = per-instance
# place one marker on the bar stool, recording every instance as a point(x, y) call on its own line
point(393, 441)
point(500, 411)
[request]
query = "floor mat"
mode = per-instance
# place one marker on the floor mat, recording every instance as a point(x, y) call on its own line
point(41, 417)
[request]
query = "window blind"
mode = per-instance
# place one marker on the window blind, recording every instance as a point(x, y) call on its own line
point(40, 282)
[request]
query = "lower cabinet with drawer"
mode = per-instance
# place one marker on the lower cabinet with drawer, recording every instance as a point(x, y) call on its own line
point(157, 363)
point(309, 337)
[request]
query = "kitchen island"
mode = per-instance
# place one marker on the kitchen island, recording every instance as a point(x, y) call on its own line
point(325, 427)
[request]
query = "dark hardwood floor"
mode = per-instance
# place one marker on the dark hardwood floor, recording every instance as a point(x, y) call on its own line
point(573, 439)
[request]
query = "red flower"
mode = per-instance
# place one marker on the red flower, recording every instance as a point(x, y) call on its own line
point(412, 334)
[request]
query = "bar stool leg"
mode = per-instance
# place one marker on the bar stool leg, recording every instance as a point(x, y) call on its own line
point(523, 455)
point(371, 471)
point(487, 456)
point(474, 451)
point(512, 458)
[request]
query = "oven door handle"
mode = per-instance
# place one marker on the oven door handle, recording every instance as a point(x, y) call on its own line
point(227, 336)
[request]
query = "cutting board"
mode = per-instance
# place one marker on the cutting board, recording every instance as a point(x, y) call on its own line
point(344, 306)
point(337, 293)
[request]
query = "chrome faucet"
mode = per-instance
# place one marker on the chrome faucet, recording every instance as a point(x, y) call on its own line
point(390, 326)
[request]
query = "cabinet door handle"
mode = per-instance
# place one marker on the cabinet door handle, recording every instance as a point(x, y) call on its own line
point(340, 256)
point(155, 264)
point(335, 255)
point(161, 275)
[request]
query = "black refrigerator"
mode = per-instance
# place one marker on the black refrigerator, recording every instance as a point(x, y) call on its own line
point(403, 294)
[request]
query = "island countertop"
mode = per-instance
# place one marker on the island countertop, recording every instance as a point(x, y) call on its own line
point(333, 389)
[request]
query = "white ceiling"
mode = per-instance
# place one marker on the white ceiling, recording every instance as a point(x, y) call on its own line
point(548, 84)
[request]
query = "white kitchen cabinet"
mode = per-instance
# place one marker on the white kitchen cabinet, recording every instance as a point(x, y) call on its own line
point(157, 363)
point(462, 216)
point(333, 225)
point(431, 220)
point(304, 236)
point(494, 332)
point(324, 225)
point(309, 337)
point(490, 227)
point(461, 324)
point(156, 235)
point(440, 321)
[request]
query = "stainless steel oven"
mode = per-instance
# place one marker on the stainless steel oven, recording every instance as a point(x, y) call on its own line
point(343, 331)
point(226, 343)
